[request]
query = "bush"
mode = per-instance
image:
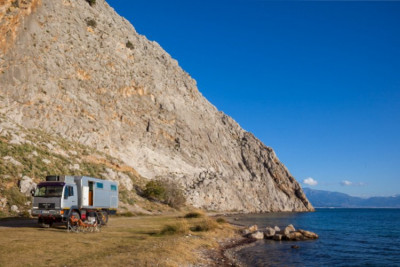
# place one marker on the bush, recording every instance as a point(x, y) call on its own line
point(129, 45)
point(174, 195)
point(91, 23)
point(166, 192)
point(91, 2)
point(180, 227)
point(194, 214)
point(220, 220)
point(206, 224)
point(154, 190)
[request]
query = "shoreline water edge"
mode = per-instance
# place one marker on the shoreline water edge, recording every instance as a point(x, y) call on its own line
point(228, 254)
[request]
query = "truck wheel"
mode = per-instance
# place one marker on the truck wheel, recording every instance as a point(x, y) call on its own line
point(105, 217)
point(102, 217)
point(76, 215)
point(44, 224)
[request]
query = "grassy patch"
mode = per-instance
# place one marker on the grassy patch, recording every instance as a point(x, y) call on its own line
point(126, 214)
point(124, 242)
point(206, 224)
point(15, 197)
point(180, 227)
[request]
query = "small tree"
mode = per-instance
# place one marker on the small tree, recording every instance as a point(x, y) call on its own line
point(129, 45)
point(91, 23)
point(166, 192)
point(154, 190)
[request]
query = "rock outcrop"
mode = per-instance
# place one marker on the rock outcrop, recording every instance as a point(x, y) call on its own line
point(83, 73)
point(288, 234)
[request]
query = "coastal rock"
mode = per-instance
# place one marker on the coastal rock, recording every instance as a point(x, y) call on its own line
point(133, 102)
point(277, 229)
point(288, 229)
point(308, 234)
point(257, 235)
point(253, 228)
point(269, 232)
point(294, 236)
point(247, 231)
point(277, 237)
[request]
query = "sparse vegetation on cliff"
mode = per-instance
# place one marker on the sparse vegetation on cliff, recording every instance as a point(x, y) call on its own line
point(91, 2)
point(91, 23)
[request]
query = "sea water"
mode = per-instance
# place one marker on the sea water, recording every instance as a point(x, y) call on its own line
point(347, 237)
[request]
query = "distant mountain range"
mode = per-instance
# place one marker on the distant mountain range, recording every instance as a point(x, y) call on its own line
point(325, 199)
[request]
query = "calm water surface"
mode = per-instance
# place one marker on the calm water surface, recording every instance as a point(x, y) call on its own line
point(348, 237)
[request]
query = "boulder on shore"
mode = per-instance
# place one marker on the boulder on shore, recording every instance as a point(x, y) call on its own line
point(288, 229)
point(308, 234)
point(249, 230)
point(257, 235)
point(269, 232)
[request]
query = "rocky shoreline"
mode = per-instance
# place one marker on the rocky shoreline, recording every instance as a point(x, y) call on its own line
point(227, 254)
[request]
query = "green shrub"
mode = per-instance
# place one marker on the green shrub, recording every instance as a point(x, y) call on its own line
point(154, 190)
point(91, 2)
point(206, 224)
point(166, 192)
point(193, 214)
point(129, 45)
point(220, 220)
point(180, 227)
point(91, 23)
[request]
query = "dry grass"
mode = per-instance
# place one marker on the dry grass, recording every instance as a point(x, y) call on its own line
point(134, 241)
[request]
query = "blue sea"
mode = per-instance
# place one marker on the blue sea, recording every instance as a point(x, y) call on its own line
point(347, 237)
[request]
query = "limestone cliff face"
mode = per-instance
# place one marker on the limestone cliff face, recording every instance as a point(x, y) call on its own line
point(82, 72)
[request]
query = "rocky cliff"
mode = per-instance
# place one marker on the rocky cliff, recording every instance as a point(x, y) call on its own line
point(83, 73)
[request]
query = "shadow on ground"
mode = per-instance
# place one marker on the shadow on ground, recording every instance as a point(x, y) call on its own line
point(18, 222)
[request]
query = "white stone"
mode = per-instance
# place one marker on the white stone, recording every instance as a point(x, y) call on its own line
point(257, 235)
point(14, 208)
point(26, 185)
point(46, 161)
point(12, 160)
point(74, 167)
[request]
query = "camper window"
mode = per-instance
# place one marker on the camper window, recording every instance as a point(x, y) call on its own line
point(71, 191)
point(99, 185)
point(66, 192)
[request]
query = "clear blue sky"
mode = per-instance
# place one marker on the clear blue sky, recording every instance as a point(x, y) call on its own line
point(318, 81)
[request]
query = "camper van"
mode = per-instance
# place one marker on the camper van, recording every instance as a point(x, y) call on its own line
point(62, 196)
